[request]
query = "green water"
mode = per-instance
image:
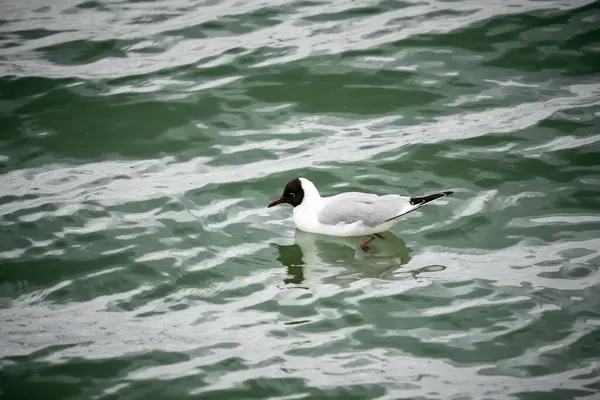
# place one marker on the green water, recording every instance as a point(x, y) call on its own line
point(141, 142)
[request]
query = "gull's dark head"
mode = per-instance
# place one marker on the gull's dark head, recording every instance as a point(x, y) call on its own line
point(292, 194)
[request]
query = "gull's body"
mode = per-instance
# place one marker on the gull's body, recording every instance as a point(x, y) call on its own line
point(349, 213)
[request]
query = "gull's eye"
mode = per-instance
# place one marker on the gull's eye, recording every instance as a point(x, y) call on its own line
point(292, 194)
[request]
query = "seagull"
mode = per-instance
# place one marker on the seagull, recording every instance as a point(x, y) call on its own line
point(348, 213)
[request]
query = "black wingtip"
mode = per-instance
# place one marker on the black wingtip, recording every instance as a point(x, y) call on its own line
point(427, 199)
point(419, 202)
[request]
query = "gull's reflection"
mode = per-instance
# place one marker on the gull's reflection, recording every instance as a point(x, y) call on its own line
point(291, 257)
point(314, 255)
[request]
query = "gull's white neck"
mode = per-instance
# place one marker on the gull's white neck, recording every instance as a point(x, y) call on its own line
point(305, 214)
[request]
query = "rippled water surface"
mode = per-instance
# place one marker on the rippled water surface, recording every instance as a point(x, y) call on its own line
point(142, 140)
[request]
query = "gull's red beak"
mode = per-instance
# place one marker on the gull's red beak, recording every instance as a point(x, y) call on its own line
point(279, 201)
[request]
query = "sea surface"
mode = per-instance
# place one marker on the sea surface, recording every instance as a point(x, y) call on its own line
point(141, 141)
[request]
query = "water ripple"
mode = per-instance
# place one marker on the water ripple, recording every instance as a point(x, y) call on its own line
point(144, 139)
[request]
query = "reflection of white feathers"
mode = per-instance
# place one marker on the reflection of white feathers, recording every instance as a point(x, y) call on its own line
point(330, 259)
point(333, 248)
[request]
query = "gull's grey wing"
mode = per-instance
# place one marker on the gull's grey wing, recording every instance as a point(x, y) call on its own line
point(369, 209)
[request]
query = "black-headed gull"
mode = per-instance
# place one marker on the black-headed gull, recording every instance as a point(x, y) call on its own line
point(349, 213)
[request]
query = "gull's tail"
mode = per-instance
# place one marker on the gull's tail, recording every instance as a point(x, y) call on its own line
point(418, 202)
point(421, 201)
